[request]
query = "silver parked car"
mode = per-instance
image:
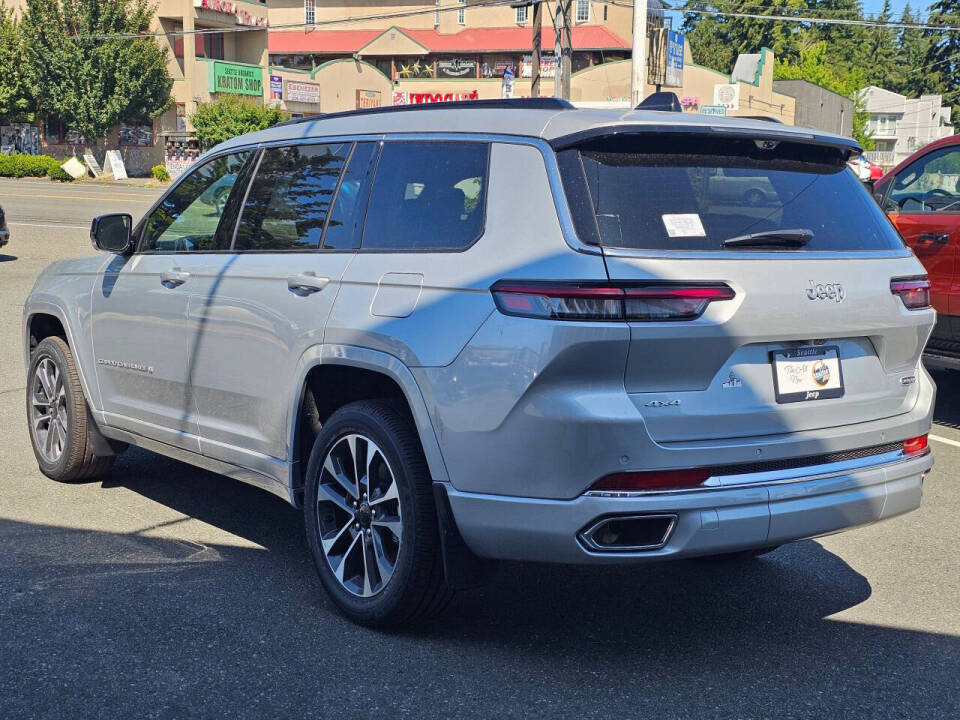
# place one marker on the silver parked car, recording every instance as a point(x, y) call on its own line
point(502, 330)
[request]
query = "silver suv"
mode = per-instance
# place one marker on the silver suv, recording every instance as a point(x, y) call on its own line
point(502, 330)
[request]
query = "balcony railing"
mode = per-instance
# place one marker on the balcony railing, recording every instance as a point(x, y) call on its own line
point(881, 157)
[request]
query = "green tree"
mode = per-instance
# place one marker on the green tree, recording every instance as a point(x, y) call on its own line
point(717, 41)
point(880, 48)
point(16, 96)
point(941, 66)
point(818, 67)
point(90, 79)
point(230, 116)
point(909, 77)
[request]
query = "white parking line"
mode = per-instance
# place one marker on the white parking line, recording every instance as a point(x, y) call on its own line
point(947, 441)
point(47, 225)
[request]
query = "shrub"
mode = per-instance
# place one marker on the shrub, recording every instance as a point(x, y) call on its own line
point(230, 116)
point(160, 173)
point(19, 166)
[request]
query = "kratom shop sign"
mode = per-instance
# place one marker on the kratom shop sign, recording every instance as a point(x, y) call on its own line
point(238, 79)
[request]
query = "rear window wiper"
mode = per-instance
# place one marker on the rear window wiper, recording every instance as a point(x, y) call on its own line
point(793, 238)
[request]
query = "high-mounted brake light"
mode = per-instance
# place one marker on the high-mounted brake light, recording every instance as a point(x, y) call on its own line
point(652, 480)
point(597, 301)
point(913, 291)
point(915, 445)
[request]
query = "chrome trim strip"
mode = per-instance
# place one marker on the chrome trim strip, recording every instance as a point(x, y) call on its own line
point(586, 536)
point(774, 477)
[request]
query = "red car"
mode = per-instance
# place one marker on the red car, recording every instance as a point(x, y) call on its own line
point(921, 196)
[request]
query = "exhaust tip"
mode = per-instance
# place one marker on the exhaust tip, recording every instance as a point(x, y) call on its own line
point(628, 533)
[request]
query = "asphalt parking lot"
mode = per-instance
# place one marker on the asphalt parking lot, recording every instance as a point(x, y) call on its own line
point(166, 591)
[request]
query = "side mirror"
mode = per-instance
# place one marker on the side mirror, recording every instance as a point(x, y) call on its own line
point(112, 232)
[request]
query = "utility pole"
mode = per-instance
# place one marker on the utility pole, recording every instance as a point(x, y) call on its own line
point(638, 76)
point(557, 48)
point(566, 56)
point(535, 63)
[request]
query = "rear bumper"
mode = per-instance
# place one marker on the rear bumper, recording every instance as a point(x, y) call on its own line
point(708, 521)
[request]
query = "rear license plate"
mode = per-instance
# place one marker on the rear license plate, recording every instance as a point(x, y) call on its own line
point(807, 373)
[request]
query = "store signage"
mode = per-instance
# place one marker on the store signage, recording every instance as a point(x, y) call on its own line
point(719, 110)
point(237, 79)
point(276, 87)
point(242, 17)
point(548, 66)
point(402, 97)
point(302, 92)
point(674, 74)
point(368, 99)
point(457, 67)
point(727, 95)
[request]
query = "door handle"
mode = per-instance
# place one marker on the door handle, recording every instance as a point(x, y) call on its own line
point(935, 237)
point(306, 283)
point(173, 278)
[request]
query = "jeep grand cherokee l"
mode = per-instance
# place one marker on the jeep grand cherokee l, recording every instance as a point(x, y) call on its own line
point(502, 330)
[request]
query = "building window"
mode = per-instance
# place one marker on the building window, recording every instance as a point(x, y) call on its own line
point(310, 11)
point(209, 45)
point(436, 14)
point(522, 13)
point(461, 13)
point(583, 10)
point(604, 13)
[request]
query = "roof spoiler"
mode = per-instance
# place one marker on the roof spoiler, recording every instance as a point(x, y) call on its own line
point(848, 146)
point(661, 101)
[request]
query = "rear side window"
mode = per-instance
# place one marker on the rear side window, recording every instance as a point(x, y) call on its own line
point(427, 196)
point(692, 194)
point(194, 216)
point(343, 227)
point(290, 197)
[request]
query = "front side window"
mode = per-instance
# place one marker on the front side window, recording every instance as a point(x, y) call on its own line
point(583, 10)
point(929, 185)
point(427, 195)
point(652, 192)
point(191, 217)
point(290, 197)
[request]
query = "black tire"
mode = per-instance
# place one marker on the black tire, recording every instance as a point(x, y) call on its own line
point(740, 555)
point(76, 461)
point(416, 589)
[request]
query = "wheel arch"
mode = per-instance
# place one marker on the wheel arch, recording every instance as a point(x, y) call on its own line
point(363, 360)
point(44, 318)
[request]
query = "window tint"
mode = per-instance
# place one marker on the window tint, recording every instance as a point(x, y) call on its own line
point(347, 214)
point(191, 218)
point(652, 193)
point(929, 185)
point(427, 195)
point(289, 197)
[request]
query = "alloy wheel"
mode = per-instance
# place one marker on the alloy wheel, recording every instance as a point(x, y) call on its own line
point(358, 512)
point(48, 403)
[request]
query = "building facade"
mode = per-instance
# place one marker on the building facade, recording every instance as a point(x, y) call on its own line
point(901, 125)
point(818, 107)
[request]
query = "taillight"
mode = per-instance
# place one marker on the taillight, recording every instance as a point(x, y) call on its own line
point(915, 445)
point(914, 292)
point(652, 480)
point(601, 301)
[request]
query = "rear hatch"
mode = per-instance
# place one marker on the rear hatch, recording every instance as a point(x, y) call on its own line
point(813, 336)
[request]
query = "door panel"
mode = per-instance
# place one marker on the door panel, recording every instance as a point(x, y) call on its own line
point(259, 307)
point(142, 333)
point(924, 203)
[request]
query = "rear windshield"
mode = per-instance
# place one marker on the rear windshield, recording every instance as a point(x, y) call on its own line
point(693, 193)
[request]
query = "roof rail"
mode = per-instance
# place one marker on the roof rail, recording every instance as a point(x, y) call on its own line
point(542, 103)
